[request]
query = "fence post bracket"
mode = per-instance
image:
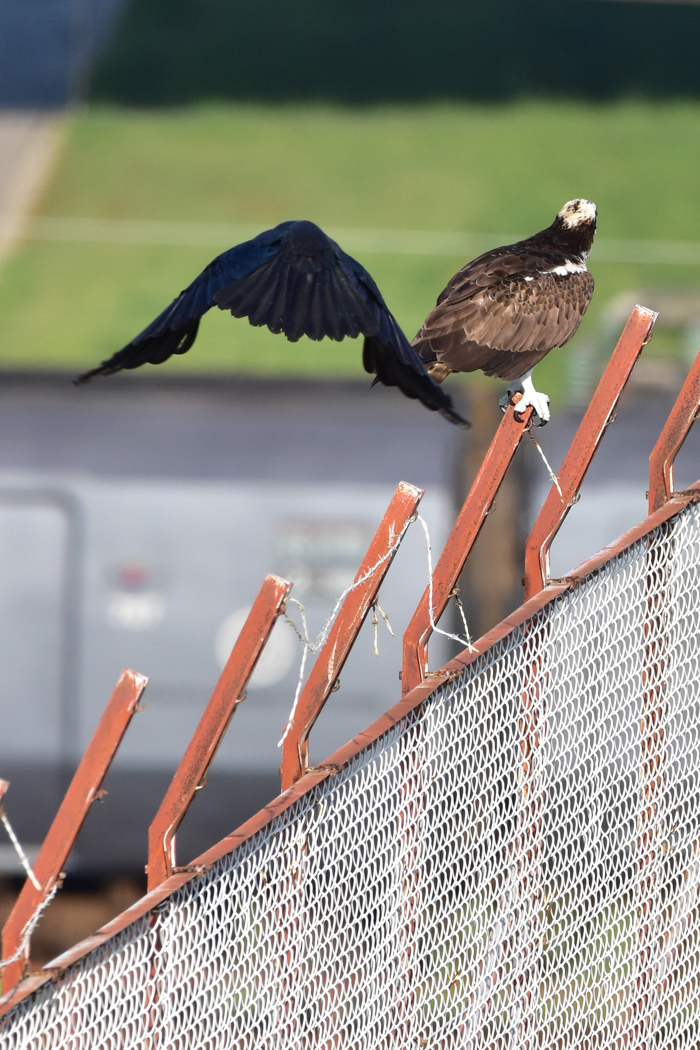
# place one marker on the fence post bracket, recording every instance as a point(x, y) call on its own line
point(458, 546)
point(82, 792)
point(342, 634)
point(597, 417)
point(675, 430)
point(229, 692)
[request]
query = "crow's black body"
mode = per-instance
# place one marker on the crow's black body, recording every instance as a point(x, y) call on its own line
point(297, 281)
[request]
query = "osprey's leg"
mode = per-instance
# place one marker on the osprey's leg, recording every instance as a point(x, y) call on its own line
point(531, 397)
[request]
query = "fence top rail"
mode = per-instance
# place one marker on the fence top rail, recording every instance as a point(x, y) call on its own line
point(340, 758)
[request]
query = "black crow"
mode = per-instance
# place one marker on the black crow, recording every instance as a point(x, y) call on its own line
point(505, 310)
point(297, 281)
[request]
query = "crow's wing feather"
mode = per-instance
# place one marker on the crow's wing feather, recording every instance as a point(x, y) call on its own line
point(200, 296)
point(174, 330)
point(390, 357)
point(298, 281)
point(310, 287)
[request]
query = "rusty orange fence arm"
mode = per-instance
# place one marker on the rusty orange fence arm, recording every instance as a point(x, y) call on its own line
point(341, 637)
point(69, 820)
point(676, 429)
point(459, 544)
point(228, 694)
point(636, 333)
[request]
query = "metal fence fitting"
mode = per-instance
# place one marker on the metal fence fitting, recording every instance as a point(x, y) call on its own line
point(458, 546)
point(344, 630)
point(68, 821)
point(671, 439)
point(228, 693)
point(635, 335)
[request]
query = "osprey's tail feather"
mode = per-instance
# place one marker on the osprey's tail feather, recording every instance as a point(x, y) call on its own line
point(438, 372)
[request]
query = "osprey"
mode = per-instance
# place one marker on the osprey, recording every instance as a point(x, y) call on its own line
point(295, 280)
point(505, 310)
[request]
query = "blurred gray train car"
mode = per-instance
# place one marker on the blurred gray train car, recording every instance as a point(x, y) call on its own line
point(138, 518)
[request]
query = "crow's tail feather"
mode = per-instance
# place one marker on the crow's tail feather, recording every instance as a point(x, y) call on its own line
point(391, 370)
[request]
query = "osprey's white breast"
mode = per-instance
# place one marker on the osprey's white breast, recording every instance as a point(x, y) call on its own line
point(569, 267)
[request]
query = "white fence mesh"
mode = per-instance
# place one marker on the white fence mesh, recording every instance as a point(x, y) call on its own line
point(515, 864)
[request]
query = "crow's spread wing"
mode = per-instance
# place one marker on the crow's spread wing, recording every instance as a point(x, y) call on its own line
point(175, 329)
point(295, 280)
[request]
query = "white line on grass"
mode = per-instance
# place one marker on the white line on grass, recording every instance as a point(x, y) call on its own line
point(356, 239)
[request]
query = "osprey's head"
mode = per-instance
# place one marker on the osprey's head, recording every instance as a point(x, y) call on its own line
point(578, 212)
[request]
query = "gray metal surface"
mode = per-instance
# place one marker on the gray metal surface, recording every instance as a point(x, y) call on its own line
point(137, 521)
point(142, 425)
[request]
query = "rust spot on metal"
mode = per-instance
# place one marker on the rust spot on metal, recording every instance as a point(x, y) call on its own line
point(329, 768)
point(686, 496)
point(569, 582)
point(444, 676)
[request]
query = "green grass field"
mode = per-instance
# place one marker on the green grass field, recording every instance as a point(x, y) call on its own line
point(489, 169)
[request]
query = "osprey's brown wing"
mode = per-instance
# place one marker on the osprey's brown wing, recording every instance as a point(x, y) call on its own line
point(501, 306)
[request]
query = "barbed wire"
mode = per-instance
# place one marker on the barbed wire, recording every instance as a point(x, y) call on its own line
point(467, 642)
point(375, 624)
point(314, 647)
point(552, 476)
point(24, 860)
point(33, 922)
point(31, 926)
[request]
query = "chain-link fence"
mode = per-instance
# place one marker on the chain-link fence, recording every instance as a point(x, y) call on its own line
point(514, 863)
